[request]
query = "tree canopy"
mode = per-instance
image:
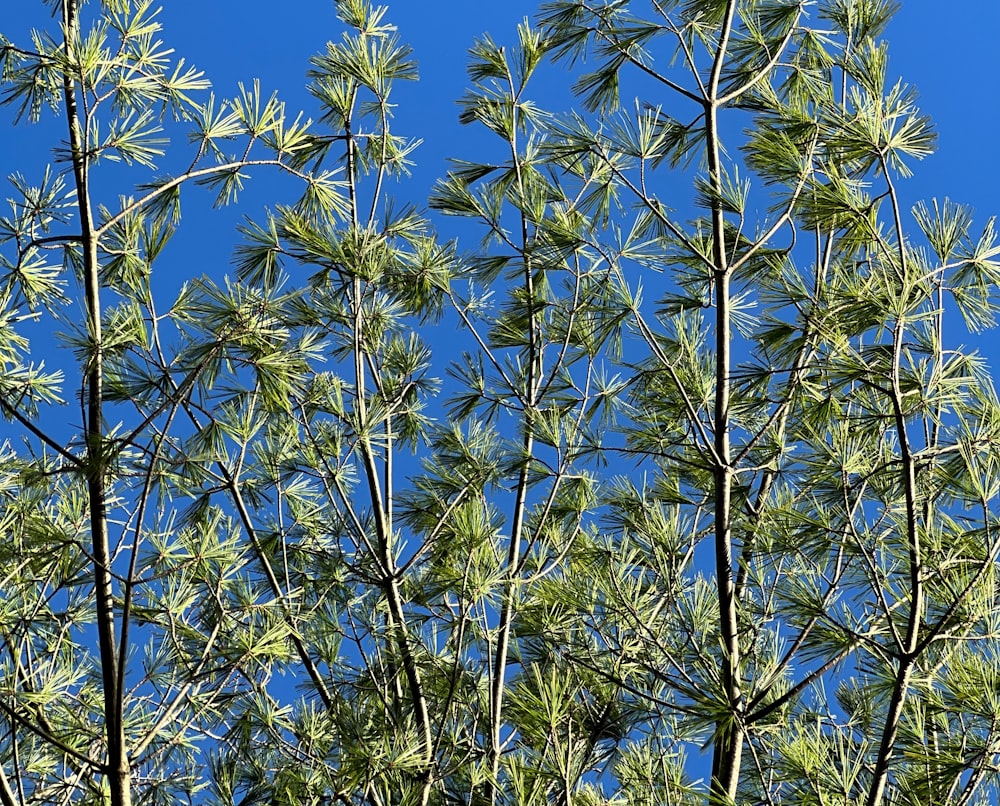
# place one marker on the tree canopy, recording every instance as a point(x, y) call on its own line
point(697, 505)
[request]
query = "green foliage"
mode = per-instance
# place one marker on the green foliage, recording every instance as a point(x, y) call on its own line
point(701, 507)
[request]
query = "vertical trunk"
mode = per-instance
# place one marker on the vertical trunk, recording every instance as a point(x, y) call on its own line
point(507, 621)
point(880, 776)
point(729, 737)
point(910, 648)
point(117, 767)
point(728, 746)
point(381, 500)
point(529, 403)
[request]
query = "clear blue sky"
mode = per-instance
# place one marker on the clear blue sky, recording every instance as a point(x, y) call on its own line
point(949, 55)
point(948, 52)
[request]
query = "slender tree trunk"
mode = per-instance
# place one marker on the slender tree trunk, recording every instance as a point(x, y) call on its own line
point(117, 761)
point(910, 648)
point(117, 767)
point(729, 739)
point(728, 748)
point(507, 611)
point(508, 607)
point(892, 719)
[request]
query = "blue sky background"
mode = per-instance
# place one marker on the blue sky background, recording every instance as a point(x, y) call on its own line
point(948, 54)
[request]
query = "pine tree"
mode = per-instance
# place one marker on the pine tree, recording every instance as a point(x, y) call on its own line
point(698, 506)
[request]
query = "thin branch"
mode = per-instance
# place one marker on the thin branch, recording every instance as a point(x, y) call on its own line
point(63, 452)
point(177, 181)
point(767, 68)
